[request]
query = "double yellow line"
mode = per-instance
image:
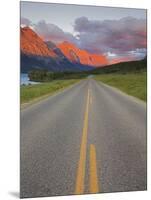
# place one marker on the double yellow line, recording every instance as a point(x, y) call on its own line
point(94, 187)
point(93, 181)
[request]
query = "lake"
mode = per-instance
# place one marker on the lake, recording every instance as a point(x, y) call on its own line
point(24, 79)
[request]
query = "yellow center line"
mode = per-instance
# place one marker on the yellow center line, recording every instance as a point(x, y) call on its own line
point(79, 189)
point(93, 184)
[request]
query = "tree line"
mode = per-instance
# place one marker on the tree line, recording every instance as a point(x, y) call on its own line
point(43, 75)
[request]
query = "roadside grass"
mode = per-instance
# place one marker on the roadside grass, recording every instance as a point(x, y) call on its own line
point(133, 84)
point(28, 93)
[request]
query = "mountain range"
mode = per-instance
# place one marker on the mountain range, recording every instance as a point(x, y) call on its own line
point(37, 53)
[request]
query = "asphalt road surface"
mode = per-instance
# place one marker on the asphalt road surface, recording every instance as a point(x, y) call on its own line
point(89, 138)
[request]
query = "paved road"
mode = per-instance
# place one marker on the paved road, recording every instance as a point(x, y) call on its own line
point(90, 138)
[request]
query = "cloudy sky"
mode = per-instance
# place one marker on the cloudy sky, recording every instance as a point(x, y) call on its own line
point(118, 33)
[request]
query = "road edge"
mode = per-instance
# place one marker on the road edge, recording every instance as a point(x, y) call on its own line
point(37, 100)
point(132, 98)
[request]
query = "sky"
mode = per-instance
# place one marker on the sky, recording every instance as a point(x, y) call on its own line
point(118, 33)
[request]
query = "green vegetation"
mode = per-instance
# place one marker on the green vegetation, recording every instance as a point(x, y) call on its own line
point(130, 77)
point(134, 84)
point(123, 68)
point(33, 92)
point(41, 75)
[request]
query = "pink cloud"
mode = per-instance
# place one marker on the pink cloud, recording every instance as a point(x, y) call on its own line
point(118, 36)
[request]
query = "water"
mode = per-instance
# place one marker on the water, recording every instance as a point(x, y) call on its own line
point(24, 79)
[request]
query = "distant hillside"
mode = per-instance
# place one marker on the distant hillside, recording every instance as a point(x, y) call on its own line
point(123, 67)
point(56, 50)
point(77, 55)
point(32, 44)
point(37, 54)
